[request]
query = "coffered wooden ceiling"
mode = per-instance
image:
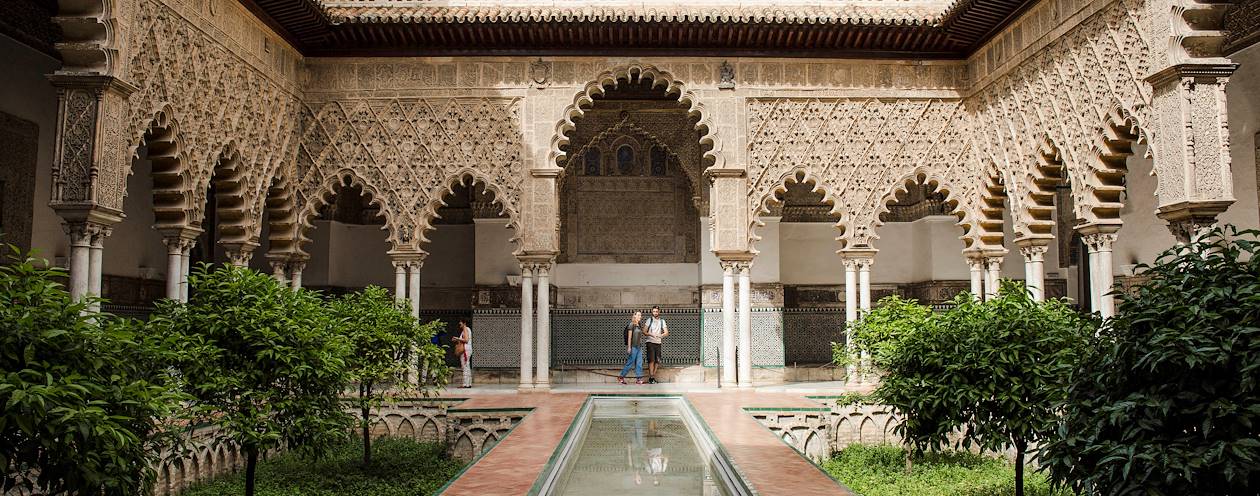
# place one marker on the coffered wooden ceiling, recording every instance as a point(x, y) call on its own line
point(825, 29)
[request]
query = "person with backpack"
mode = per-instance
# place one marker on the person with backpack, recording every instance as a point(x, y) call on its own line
point(634, 350)
point(654, 331)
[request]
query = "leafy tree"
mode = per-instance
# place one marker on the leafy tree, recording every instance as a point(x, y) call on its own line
point(1166, 401)
point(879, 331)
point(85, 396)
point(262, 361)
point(383, 336)
point(990, 373)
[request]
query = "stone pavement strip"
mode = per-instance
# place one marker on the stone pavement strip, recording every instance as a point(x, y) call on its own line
point(771, 466)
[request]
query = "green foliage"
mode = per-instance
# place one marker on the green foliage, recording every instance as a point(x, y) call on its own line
point(1165, 401)
point(401, 467)
point(879, 332)
point(383, 335)
point(261, 360)
point(880, 471)
point(992, 372)
point(84, 395)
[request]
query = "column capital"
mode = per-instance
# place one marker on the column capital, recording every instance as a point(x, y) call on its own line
point(729, 266)
point(862, 258)
point(88, 230)
point(1033, 248)
point(1099, 241)
point(1187, 219)
point(239, 253)
point(297, 265)
point(180, 239)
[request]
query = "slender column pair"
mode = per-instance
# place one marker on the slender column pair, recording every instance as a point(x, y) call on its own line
point(179, 244)
point(1099, 241)
point(976, 266)
point(1034, 252)
point(857, 296)
point(536, 374)
point(727, 353)
point(288, 272)
point(407, 281)
point(87, 240)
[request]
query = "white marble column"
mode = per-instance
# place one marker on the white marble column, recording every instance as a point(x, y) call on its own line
point(1099, 245)
point(744, 352)
point(96, 259)
point(527, 326)
point(850, 309)
point(1034, 252)
point(864, 284)
point(174, 266)
point(542, 378)
point(727, 354)
point(976, 266)
point(413, 287)
point(295, 273)
point(80, 258)
point(992, 276)
point(400, 280)
point(186, 262)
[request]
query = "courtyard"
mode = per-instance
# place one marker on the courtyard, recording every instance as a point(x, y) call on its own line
point(979, 247)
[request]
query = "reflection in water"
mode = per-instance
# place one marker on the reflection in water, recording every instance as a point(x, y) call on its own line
point(638, 455)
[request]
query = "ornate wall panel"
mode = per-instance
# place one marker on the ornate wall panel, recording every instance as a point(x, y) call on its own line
point(19, 148)
point(859, 152)
point(407, 153)
point(1075, 92)
point(225, 84)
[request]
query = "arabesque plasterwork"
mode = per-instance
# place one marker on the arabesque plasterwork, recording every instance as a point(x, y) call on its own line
point(1065, 91)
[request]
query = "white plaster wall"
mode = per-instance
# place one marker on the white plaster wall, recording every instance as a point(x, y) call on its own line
point(923, 250)
point(26, 93)
point(710, 267)
point(614, 275)
point(1243, 95)
point(135, 249)
point(493, 258)
point(451, 259)
point(766, 267)
point(348, 255)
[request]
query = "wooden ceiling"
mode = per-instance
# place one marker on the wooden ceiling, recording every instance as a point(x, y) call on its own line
point(375, 30)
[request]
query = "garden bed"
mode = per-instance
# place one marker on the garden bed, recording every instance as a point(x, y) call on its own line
point(400, 467)
point(881, 471)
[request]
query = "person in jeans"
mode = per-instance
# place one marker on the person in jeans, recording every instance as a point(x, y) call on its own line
point(654, 331)
point(634, 350)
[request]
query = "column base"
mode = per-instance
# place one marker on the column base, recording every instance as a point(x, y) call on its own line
point(541, 388)
point(525, 388)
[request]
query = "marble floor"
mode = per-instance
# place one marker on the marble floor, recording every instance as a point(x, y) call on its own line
point(772, 467)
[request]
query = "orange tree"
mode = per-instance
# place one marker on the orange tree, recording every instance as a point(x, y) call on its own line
point(262, 361)
point(1166, 399)
point(384, 341)
point(85, 396)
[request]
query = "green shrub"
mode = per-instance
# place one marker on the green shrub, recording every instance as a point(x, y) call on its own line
point(992, 372)
point(261, 360)
point(880, 331)
point(1167, 401)
point(85, 396)
point(399, 467)
point(881, 471)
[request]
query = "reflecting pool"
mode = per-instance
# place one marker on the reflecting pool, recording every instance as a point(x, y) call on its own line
point(639, 445)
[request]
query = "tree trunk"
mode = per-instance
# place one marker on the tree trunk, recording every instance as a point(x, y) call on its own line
point(251, 463)
point(367, 439)
point(909, 460)
point(1020, 446)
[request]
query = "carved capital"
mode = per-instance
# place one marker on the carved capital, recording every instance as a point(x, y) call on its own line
point(239, 254)
point(729, 266)
point(1099, 241)
point(976, 264)
point(297, 266)
point(1034, 249)
point(1187, 220)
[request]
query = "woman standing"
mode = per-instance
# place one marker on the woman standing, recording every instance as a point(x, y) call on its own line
point(463, 349)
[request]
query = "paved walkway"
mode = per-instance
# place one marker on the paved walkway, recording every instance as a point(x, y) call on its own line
point(514, 464)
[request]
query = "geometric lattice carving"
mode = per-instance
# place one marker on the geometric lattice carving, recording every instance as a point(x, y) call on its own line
point(407, 154)
point(808, 334)
point(593, 337)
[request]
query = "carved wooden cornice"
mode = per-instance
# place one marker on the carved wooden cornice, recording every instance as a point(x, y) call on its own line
point(919, 29)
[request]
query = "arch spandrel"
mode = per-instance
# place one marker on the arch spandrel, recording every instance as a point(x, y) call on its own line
point(468, 177)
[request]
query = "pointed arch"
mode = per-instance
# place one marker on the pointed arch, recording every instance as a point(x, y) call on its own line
point(1105, 183)
point(774, 196)
point(231, 201)
point(711, 153)
point(470, 177)
point(172, 180)
point(919, 176)
point(1043, 181)
point(329, 188)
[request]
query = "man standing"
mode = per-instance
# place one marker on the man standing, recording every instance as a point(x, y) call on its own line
point(634, 350)
point(653, 332)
